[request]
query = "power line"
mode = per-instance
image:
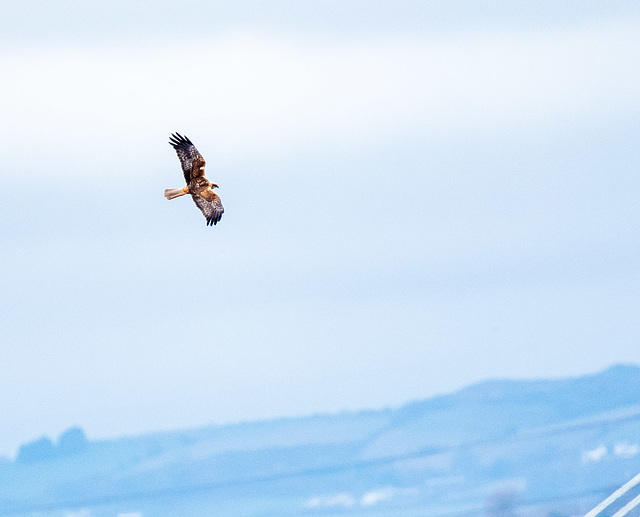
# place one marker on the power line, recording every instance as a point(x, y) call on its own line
point(628, 507)
point(615, 496)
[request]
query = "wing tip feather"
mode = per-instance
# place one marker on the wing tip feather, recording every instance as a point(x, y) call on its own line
point(177, 140)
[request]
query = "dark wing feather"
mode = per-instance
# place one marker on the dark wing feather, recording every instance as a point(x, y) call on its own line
point(191, 160)
point(212, 210)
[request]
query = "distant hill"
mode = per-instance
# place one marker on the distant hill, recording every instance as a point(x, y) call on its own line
point(543, 447)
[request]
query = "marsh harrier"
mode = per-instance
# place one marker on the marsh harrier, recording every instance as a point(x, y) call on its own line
point(200, 188)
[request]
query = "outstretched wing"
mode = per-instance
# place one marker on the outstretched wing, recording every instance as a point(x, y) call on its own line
point(211, 207)
point(191, 160)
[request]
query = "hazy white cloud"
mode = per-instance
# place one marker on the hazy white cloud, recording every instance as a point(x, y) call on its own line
point(625, 450)
point(341, 500)
point(621, 450)
point(346, 500)
point(268, 96)
point(594, 455)
point(376, 496)
point(83, 512)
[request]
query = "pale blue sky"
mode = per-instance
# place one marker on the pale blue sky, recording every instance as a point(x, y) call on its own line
point(418, 195)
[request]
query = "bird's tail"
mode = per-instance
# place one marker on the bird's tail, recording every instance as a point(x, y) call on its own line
point(170, 193)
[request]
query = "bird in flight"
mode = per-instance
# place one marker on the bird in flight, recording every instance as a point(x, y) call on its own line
point(200, 188)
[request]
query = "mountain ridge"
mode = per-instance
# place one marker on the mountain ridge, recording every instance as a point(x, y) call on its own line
point(543, 439)
point(488, 392)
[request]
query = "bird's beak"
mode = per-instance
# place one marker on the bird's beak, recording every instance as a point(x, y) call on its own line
point(213, 185)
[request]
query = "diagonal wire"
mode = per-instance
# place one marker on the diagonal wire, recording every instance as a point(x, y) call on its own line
point(628, 507)
point(615, 496)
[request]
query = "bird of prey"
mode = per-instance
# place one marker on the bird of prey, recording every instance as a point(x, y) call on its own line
point(200, 188)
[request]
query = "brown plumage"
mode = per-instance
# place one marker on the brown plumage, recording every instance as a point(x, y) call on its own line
point(200, 188)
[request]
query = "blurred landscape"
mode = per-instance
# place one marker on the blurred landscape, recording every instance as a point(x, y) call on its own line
point(500, 447)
